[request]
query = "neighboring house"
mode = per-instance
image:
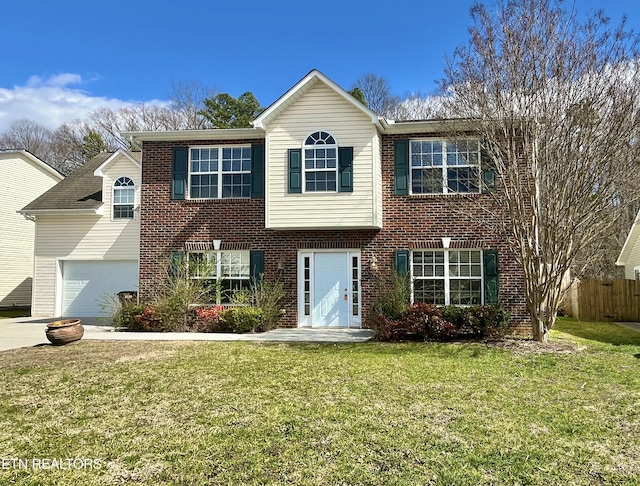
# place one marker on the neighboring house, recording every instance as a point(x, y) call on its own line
point(629, 257)
point(325, 195)
point(23, 177)
point(87, 237)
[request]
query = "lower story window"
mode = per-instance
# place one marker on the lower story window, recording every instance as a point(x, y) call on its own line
point(447, 277)
point(224, 272)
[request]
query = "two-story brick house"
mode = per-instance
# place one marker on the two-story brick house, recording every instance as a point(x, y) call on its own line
point(322, 193)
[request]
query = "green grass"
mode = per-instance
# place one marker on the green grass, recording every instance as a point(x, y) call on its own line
point(245, 413)
point(15, 312)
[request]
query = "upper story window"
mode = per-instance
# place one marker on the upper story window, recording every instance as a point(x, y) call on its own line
point(219, 172)
point(444, 166)
point(320, 163)
point(124, 193)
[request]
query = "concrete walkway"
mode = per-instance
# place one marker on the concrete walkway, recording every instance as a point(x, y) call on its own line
point(26, 331)
point(634, 326)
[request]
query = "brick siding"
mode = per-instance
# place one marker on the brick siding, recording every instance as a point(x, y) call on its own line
point(409, 222)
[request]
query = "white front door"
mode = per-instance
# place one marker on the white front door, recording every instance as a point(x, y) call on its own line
point(329, 289)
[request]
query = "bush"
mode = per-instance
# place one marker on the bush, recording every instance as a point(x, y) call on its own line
point(210, 319)
point(387, 329)
point(172, 299)
point(269, 297)
point(393, 295)
point(124, 312)
point(478, 321)
point(426, 321)
point(492, 320)
point(243, 319)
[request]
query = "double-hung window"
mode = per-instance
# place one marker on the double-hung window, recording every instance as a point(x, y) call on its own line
point(447, 277)
point(444, 166)
point(225, 272)
point(124, 192)
point(320, 163)
point(219, 172)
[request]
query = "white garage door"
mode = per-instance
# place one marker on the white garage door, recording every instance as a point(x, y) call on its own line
point(85, 284)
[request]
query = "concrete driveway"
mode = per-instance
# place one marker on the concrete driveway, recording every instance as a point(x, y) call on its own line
point(23, 332)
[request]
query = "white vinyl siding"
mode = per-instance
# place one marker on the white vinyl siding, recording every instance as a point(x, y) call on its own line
point(77, 237)
point(21, 181)
point(632, 261)
point(120, 167)
point(321, 109)
point(74, 236)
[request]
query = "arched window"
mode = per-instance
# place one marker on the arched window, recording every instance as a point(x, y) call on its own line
point(320, 162)
point(124, 192)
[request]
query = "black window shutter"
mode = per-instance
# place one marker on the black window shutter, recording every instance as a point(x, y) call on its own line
point(401, 166)
point(401, 260)
point(257, 171)
point(491, 288)
point(295, 171)
point(345, 169)
point(488, 172)
point(256, 264)
point(176, 263)
point(179, 177)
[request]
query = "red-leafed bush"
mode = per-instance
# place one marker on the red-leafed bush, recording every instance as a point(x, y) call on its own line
point(210, 319)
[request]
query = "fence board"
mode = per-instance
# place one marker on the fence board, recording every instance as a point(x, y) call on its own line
point(609, 300)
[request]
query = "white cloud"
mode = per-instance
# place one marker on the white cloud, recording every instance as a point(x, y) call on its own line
point(51, 101)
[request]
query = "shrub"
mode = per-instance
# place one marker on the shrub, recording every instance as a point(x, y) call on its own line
point(210, 319)
point(442, 330)
point(462, 318)
point(492, 320)
point(243, 319)
point(269, 297)
point(478, 321)
point(387, 329)
point(393, 294)
point(146, 320)
point(173, 298)
point(426, 321)
point(123, 312)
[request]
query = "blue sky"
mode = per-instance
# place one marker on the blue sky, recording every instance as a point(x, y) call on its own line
point(59, 60)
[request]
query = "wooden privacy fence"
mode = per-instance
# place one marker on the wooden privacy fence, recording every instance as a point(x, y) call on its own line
point(605, 300)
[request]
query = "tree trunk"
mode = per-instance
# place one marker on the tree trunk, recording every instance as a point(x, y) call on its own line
point(540, 332)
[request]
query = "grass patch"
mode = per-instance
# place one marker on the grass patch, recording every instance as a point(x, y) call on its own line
point(248, 413)
point(15, 312)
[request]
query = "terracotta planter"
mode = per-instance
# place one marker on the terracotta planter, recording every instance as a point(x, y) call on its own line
point(65, 331)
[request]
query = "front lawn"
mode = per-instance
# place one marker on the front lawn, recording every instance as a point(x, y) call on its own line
point(15, 312)
point(248, 413)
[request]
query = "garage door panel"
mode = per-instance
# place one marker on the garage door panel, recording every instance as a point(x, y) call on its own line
point(86, 285)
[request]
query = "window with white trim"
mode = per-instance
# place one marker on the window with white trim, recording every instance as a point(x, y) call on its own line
point(124, 194)
point(219, 172)
point(225, 272)
point(447, 277)
point(320, 163)
point(444, 166)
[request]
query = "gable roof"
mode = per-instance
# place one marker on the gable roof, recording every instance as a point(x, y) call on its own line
point(35, 161)
point(81, 191)
point(634, 232)
point(304, 85)
point(129, 155)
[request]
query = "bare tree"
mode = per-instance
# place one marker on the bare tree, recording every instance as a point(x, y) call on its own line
point(29, 135)
point(111, 122)
point(555, 100)
point(187, 99)
point(378, 94)
point(418, 107)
